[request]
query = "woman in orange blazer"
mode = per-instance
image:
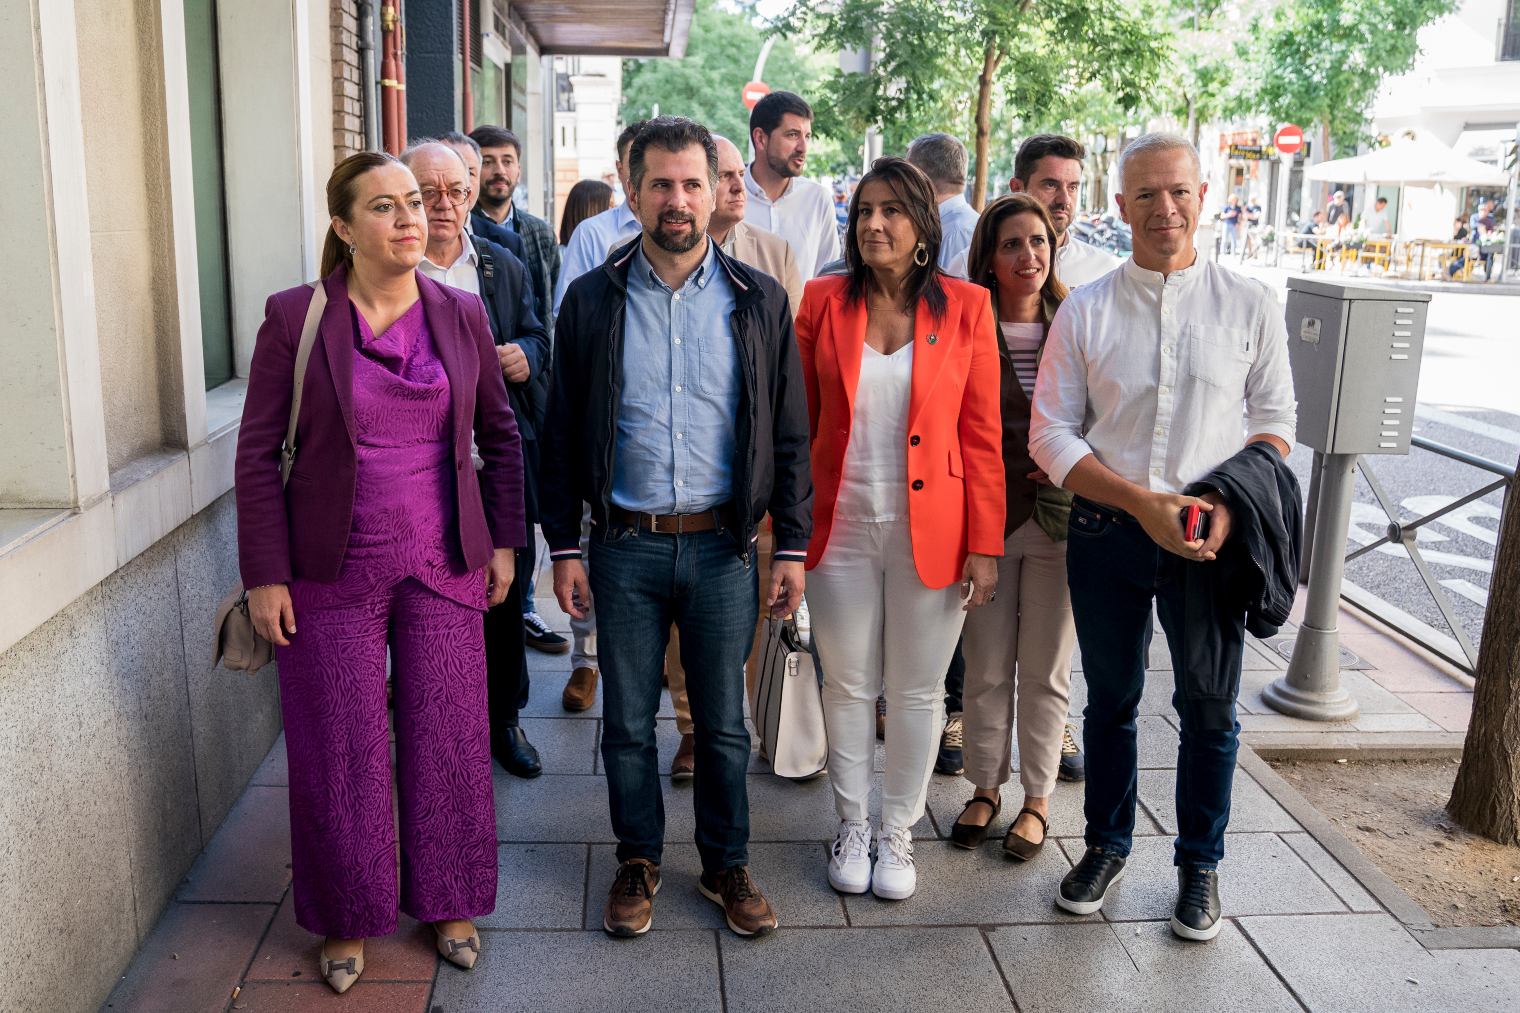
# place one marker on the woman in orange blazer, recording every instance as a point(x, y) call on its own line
point(901, 364)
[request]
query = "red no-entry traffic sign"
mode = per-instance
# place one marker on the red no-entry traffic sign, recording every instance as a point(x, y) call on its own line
point(1288, 139)
point(753, 92)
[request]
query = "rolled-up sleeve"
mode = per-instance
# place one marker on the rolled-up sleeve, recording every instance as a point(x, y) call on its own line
point(1056, 426)
point(1271, 406)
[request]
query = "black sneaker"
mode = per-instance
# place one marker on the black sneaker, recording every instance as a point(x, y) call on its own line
point(1196, 915)
point(537, 635)
point(951, 740)
point(1073, 764)
point(1083, 890)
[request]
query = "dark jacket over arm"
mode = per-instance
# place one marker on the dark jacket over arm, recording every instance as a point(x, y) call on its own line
point(508, 295)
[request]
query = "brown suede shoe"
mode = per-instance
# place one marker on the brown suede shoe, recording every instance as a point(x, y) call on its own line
point(745, 908)
point(580, 691)
point(630, 902)
point(684, 766)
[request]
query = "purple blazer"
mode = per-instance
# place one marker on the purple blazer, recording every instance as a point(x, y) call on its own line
point(301, 531)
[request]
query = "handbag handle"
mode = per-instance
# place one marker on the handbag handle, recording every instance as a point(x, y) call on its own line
point(303, 356)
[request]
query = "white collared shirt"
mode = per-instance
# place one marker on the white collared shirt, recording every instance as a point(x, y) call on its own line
point(1077, 263)
point(803, 215)
point(957, 221)
point(1150, 373)
point(590, 243)
point(461, 273)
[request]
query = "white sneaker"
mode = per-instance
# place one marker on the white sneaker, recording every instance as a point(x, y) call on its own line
point(850, 857)
point(894, 877)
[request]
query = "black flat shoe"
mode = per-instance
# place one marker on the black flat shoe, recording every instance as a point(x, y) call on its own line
point(968, 835)
point(1020, 847)
point(515, 753)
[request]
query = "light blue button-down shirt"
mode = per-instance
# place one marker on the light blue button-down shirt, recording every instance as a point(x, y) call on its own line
point(676, 434)
point(957, 221)
point(590, 243)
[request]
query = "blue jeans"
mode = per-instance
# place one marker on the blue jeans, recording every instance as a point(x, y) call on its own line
point(643, 583)
point(1115, 571)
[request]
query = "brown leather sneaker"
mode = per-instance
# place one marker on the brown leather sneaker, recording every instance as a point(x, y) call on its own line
point(580, 691)
point(630, 902)
point(684, 766)
point(745, 908)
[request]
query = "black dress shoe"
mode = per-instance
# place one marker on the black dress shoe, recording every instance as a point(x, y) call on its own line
point(515, 753)
point(1085, 887)
point(1197, 914)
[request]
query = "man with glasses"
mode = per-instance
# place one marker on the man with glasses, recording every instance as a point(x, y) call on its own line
point(455, 257)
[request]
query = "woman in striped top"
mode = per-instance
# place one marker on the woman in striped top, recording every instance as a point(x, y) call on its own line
point(1018, 648)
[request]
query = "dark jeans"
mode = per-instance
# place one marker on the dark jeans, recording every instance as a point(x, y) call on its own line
point(642, 583)
point(506, 653)
point(1115, 571)
point(955, 681)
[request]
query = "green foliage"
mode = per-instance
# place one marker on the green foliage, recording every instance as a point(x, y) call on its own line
point(1323, 61)
point(720, 56)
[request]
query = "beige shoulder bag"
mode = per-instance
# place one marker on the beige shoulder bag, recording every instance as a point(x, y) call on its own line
point(236, 645)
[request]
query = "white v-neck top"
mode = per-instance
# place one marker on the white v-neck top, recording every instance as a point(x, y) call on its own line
point(874, 483)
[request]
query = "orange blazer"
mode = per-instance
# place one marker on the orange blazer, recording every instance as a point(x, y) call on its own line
point(955, 424)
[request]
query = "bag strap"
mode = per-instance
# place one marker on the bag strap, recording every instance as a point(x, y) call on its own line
point(303, 356)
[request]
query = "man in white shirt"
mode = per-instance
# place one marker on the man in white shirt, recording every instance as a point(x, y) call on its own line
point(943, 160)
point(1048, 167)
point(780, 200)
point(1375, 223)
point(1140, 393)
point(600, 234)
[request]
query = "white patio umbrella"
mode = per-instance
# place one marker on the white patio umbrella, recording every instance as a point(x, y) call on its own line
point(1410, 161)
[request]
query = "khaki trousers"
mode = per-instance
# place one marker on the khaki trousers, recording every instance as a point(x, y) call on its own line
point(1018, 651)
point(677, 675)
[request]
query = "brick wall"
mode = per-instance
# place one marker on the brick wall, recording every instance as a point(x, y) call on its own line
point(348, 108)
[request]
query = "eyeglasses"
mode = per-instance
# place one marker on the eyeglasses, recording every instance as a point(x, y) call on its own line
point(455, 195)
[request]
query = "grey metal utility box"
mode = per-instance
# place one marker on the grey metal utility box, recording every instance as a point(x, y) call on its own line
point(1355, 352)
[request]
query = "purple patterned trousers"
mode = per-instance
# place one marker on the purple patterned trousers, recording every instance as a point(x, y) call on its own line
point(347, 879)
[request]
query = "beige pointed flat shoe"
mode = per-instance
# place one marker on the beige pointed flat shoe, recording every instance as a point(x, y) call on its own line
point(459, 952)
point(340, 975)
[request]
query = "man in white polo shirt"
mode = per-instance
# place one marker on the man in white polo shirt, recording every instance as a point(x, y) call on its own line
point(1048, 167)
point(780, 200)
point(1153, 377)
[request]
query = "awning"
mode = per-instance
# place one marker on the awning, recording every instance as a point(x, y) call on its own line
point(603, 28)
point(1410, 161)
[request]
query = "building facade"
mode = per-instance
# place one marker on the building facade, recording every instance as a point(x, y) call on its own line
point(168, 160)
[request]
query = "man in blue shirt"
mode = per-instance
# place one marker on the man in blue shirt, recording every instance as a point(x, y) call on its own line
point(677, 413)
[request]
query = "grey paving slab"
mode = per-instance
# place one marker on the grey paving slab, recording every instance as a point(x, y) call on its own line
point(793, 878)
point(586, 972)
point(1332, 872)
point(906, 970)
point(1134, 966)
point(1156, 698)
point(565, 746)
point(1157, 742)
point(549, 674)
point(538, 886)
point(553, 807)
point(1260, 874)
point(1368, 962)
point(1251, 808)
point(982, 887)
point(275, 770)
point(1261, 655)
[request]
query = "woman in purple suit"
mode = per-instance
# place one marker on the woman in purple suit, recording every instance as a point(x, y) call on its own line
point(383, 540)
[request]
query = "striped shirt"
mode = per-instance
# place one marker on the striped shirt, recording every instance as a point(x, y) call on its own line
point(1023, 341)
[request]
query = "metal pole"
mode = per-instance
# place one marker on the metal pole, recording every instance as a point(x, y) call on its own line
point(1510, 220)
point(1311, 516)
point(1311, 689)
point(1284, 171)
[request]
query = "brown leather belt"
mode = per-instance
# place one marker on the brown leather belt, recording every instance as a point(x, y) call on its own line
point(675, 524)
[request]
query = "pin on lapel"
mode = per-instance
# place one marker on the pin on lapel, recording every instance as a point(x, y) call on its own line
point(932, 339)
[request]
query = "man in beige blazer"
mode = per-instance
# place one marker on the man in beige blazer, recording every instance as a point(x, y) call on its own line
point(768, 252)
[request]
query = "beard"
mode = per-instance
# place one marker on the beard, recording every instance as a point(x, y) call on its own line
point(673, 243)
point(781, 166)
point(493, 200)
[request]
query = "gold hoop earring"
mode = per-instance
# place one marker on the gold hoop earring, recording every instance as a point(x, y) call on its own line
point(921, 251)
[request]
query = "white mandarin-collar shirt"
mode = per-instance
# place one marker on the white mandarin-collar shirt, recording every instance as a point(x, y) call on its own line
point(1077, 263)
point(590, 243)
point(461, 273)
point(1162, 378)
point(957, 221)
point(803, 215)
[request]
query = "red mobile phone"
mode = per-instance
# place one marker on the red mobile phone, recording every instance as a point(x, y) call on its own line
point(1192, 523)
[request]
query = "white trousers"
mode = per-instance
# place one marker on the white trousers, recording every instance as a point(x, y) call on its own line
point(881, 631)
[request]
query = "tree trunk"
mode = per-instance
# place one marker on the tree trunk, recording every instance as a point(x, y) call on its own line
point(991, 57)
point(1192, 122)
point(1486, 797)
point(1324, 156)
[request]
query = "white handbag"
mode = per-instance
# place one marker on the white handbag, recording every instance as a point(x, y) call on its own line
point(788, 704)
